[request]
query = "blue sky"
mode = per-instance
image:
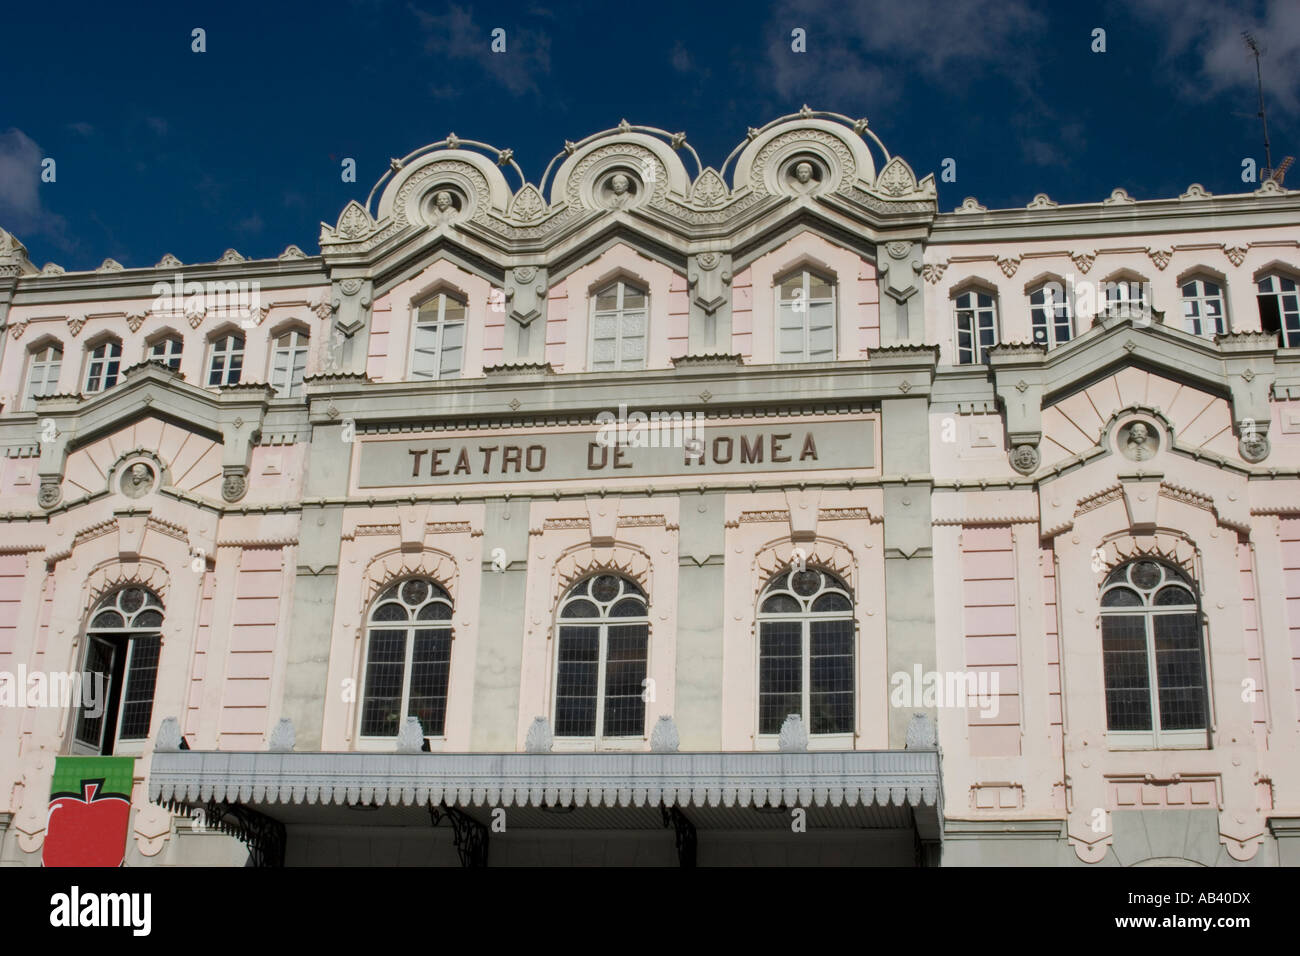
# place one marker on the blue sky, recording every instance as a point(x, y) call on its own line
point(159, 149)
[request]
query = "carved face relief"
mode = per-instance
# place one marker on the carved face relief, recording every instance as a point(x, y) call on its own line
point(803, 172)
point(1138, 441)
point(620, 184)
point(442, 200)
point(137, 481)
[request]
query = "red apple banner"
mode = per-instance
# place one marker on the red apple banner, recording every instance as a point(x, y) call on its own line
point(90, 807)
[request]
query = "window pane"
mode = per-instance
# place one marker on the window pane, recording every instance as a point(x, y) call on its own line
point(453, 339)
point(576, 681)
point(633, 298)
point(430, 668)
point(384, 672)
point(137, 698)
point(625, 671)
point(1128, 687)
point(830, 677)
point(99, 668)
point(1180, 672)
point(1121, 597)
point(780, 674)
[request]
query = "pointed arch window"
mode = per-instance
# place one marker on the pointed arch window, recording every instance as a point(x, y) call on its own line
point(123, 643)
point(602, 647)
point(408, 659)
point(103, 365)
point(1203, 312)
point(977, 326)
point(806, 638)
point(1279, 308)
point(438, 343)
point(43, 373)
point(805, 318)
point(618, 327)
point(1153, 656)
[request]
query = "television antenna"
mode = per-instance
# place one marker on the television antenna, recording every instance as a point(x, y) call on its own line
point(1254, 47)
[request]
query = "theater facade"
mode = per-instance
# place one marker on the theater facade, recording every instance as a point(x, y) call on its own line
point(652, 512)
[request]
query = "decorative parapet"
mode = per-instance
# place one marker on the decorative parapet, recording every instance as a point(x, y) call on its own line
point(518, 368)
point(336, 378)
point(708, 360)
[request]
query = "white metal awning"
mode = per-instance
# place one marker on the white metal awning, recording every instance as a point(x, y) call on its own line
point(884, 778)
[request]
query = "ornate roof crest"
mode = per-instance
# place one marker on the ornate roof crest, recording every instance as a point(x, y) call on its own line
point(709, 189)
point(528, 204)
point(354, 223)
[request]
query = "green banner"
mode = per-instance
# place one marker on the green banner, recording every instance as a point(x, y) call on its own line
point(116, 772)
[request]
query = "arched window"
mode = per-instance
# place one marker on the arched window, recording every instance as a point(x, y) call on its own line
point(438, 343)
point(602, 647)
point(1049, 312)
point(408, 659)
point(977, 326)
point(1203, 307)
point(1153, 656)
point(618, 328)
point(289, 363)
point(806, 653)
point(167, 350)
point(123, 642)
point(102, 366)
point(43, 373)
point(805, 318)
point(226, 363)
point(1279, 308)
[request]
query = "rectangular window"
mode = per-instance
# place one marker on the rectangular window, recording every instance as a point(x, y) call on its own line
point(43, 375)
point(1049, 312)
point(1279, 309)
point(102, 369)
point(805, 327)
point(977, 327)
point(1203, 308)
point(618, 328)
point(438, 342)
point(227, 363)
point(167, 351)
point(289, 363)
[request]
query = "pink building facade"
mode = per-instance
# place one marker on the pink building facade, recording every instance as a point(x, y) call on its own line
point(656, 513)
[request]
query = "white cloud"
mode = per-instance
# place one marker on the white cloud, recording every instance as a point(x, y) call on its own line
point(455, 35)
point(1209, 31)
point(936, 39)
point(22, 209)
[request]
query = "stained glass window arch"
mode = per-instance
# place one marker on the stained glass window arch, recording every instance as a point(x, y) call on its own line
point(123, 647)
point(1153, 653)
point(408, 658)
point(806, 653)
point(602, 655)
